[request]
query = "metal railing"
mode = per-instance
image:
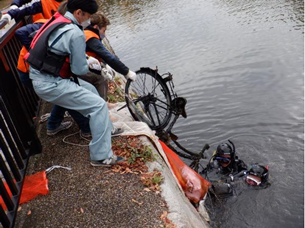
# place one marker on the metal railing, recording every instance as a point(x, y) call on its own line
point(18, 139)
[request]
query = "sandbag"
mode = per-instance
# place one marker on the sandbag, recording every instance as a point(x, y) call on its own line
point(194, 186)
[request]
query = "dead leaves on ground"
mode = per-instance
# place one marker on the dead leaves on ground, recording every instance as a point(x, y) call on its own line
point(134, 151)
point(115, 93)
point(168, 223)
point(136, 154)
point(152, 181)
point(137, 202)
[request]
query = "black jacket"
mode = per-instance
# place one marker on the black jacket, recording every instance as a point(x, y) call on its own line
point(96, 46)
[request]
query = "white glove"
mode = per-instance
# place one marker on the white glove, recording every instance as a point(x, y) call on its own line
point(94, 64)
point(6, 17)
point(108, 73)
point(131, 75)
point(110, 69)
point(12, 7)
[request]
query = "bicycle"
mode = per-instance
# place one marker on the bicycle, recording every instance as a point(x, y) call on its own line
point(151, 99)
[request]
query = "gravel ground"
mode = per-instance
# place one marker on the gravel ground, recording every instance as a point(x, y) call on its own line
point(86, 196)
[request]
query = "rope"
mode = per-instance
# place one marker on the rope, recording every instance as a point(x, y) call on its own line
point(48, 170)
point(44, 117)
point(76, 144)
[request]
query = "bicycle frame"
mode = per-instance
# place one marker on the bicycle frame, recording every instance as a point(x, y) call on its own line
point(174, 105)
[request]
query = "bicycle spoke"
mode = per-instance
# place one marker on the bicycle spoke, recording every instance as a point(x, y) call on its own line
point(151, 99)
point(151, 117)
point(162, 102)
point(161, 107)
point(157, 113)
point(156, 87)
point(138, 87)
point(139, 84)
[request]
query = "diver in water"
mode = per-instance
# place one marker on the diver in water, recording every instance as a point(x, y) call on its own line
point(225, 171)
point(257, 176)
point(226, 191)
point(224, 162)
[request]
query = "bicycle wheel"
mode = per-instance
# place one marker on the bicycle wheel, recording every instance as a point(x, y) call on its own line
point(148, 99)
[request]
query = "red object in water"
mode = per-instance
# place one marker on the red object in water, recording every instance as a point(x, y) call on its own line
point(34, 185)
point(194, 186)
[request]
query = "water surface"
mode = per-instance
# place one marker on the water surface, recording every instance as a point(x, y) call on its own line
point(240, 65)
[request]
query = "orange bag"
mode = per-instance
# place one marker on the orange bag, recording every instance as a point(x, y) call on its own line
point(194, 186)
point(34, 185)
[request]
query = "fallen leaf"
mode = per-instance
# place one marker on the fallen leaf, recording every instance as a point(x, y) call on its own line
point(137, 202)
point(164, 215)
point(29, 213)
point(81, 210)
point(19, 208)
point(108, 171)
point(146, 189)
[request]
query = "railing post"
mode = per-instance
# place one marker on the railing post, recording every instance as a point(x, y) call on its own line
point(18, 138)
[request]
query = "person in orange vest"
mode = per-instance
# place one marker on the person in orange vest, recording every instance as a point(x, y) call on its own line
point(96, 49)
point(23, 35)
point(38, 8)
point(103, 23)
point(55, 123)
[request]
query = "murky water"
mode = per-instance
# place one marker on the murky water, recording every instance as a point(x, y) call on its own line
point(240, 65)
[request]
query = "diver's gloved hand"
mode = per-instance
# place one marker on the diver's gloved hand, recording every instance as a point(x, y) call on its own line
point(12, 7)
point(93, 63)
point(131, 75)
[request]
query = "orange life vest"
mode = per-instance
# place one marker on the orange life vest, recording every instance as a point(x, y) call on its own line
point(37, 17)
point(90, 34)
point(22, 65)
point(49, 7)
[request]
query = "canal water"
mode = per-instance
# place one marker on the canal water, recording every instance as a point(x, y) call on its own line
point(240, 65)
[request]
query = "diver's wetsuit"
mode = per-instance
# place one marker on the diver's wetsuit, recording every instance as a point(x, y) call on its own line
point(221, 177)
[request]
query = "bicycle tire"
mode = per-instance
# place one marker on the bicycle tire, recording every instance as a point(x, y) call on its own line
point(148, 99)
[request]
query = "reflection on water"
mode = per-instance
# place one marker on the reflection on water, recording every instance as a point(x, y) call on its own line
point(240, 66)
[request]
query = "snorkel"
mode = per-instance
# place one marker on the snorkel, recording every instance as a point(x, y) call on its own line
point(233, 162)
